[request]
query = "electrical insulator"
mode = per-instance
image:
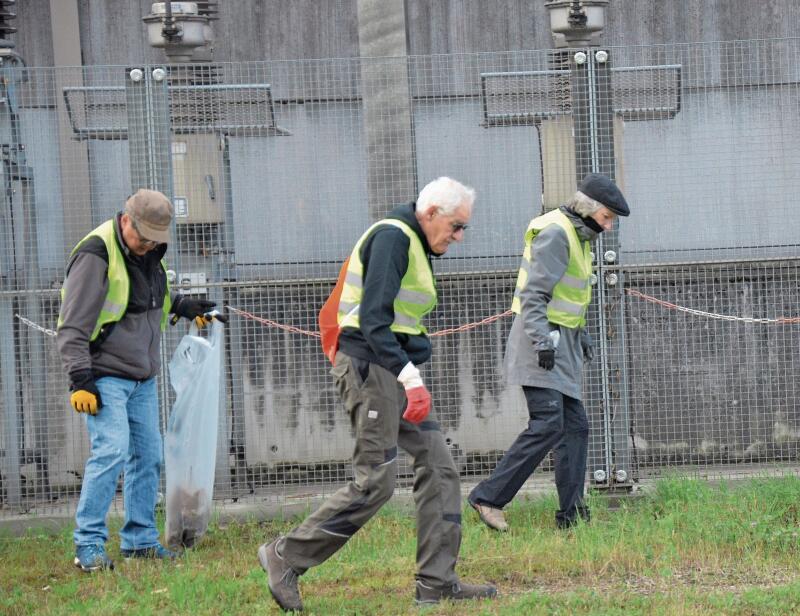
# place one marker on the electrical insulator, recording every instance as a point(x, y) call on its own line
point(7, 15)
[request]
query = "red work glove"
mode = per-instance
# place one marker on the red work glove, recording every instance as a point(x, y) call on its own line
point(419, 404)
point(418, 396)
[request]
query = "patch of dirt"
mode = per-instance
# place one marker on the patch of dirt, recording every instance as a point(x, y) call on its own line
point(698, 579)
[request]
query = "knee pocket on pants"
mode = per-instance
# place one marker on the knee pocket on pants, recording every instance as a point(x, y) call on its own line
point(380, 482)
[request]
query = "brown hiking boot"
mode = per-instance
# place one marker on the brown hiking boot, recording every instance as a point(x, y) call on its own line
point(282, 578)
point(427, 595)
point(491, 516)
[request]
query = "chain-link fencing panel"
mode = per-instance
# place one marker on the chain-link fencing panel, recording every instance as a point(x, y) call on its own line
point(275, 169)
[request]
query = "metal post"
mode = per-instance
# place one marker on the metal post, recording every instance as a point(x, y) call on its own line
point(594, 153)
point(150, 152)
point(10, 461)
point(19, 269)
point(138, 132)
point(149, 138)
point(159, 132)
point(19, 188)
point(10, 257)
point(231, 472)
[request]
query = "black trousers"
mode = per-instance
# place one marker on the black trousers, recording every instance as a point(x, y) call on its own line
point(556, 422)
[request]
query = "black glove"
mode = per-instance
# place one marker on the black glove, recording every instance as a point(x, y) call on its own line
point(547, 359)
point(85, 396)
point(587, 345)
point(190, 308)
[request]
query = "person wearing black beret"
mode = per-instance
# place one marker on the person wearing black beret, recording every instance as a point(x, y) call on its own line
point(546, 349)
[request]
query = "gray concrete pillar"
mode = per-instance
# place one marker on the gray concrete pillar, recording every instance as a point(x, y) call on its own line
point(74, 155)
point(388, 123)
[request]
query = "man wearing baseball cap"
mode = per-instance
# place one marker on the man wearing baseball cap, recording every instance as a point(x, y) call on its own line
point(547, 346)
point(116, 302)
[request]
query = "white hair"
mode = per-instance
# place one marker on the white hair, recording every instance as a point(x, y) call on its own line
point(445, 193)
point(584, 205)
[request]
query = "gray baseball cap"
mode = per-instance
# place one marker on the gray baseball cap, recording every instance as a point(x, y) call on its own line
point(152, 213)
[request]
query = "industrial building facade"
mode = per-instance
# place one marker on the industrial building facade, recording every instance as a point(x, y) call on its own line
point(276, 166)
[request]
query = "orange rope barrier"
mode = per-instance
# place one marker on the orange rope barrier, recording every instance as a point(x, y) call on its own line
point(710, 315)
point(305, 332)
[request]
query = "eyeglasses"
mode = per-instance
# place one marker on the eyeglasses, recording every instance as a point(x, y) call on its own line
point(455, 226)
point(144, 242)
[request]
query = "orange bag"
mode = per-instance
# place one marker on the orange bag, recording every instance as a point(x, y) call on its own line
point(328, 317)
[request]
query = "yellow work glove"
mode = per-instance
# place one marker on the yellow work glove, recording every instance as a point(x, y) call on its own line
point(85, 397)
point(205, 319)
point(84, 402)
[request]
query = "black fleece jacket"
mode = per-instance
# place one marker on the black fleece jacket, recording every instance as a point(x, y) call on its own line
point(385, 258)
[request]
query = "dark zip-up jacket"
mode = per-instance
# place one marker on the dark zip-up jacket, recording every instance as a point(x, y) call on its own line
point(129, 348)
point(385, 258)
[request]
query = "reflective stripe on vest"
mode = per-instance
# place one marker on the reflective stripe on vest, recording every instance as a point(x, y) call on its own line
point(417, 295)
point(573, 293)
point(116, 301)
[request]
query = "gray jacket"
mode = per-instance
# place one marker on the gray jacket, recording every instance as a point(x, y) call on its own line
point(530, 331)
point(129, 348)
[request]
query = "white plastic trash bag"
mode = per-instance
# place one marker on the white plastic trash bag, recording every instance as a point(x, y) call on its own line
point(190, 446)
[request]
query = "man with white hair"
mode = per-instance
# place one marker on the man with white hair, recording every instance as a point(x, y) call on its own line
point(389, 287)
point(547, 346)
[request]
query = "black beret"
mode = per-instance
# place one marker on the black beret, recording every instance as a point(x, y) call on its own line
point(604, 191)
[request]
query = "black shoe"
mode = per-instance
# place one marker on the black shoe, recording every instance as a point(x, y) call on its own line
point(564, 521)
point(428, 595)
point(281, 577)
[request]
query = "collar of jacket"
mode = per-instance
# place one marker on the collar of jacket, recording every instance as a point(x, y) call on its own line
point(584, 232)
point(408, 214)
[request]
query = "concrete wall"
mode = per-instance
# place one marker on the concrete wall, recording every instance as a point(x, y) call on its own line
point(34, 33)
point(112, 31)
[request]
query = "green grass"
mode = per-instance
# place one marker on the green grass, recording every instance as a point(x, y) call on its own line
point(686, 548)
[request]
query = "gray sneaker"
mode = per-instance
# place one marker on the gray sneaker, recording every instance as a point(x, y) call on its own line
point(282, 578)
point(491, 516)
point(428, 595)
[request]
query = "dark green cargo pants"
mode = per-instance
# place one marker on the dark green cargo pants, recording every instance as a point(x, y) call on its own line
point(376, 401)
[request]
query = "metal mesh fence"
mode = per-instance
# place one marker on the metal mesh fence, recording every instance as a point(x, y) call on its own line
point(275, 170)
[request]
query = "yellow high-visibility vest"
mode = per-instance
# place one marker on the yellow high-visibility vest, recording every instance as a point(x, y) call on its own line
point(116, 302)
point(573, 293)
point(417, 295)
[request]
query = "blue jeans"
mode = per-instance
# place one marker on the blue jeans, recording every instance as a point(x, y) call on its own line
point(123, 434)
